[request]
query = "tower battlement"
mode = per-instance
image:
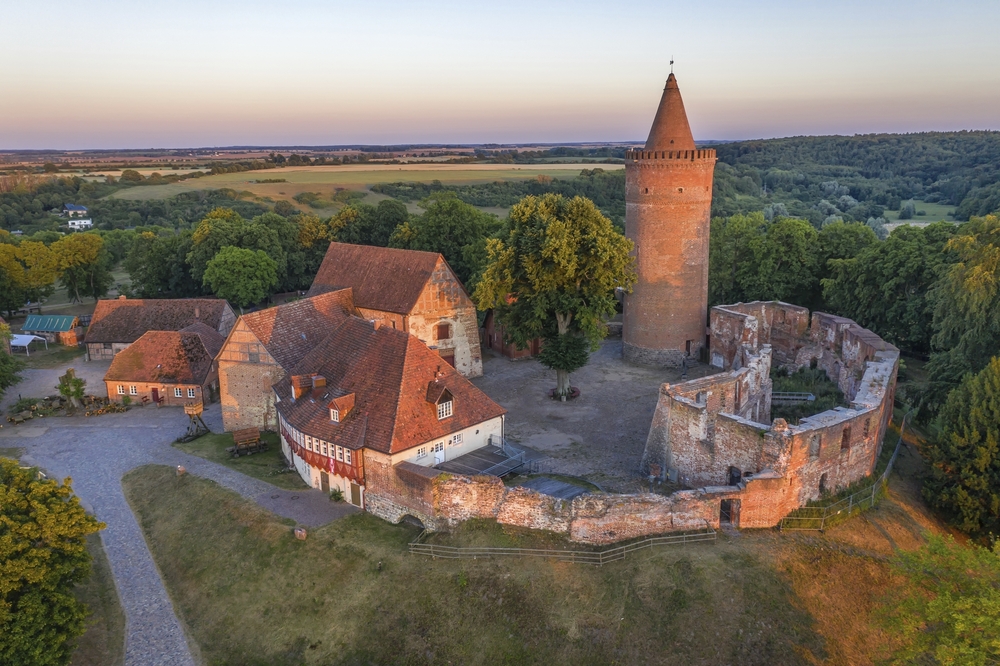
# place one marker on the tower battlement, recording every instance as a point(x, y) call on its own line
point(645, 155)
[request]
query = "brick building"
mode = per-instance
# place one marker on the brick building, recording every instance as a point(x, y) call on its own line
point(668, 202)
point(117, 323)
point(370, 399)
point(494, 338)
point(167, 367)
point(263, 347)
point(416, 292)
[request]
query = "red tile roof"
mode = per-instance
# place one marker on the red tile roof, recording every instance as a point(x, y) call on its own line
point(289, 331)
point(389, 373)
point(171, 357)
point(383, 278)
point(125, 320)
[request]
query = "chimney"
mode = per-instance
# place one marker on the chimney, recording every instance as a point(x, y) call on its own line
point(197, 312)
point(122, 297)
point(318, 381)
point(301, 384)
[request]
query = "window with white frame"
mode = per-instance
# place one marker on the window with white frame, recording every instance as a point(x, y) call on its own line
point(133, 390)
point(444, 409)
point(177, 393)
point(335, 415)
point(121, 389)
point(191, 392)
point(422, 451)
point(324, 450)
point(456, 439)
point(347, 456)
point(439, 447)
point(340, 453)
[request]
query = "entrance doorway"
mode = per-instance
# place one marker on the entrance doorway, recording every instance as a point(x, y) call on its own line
point(156, 396)
point(735, 476)
point(355, 494)
point(324, 482)
point(729, 513)
point(449, 358)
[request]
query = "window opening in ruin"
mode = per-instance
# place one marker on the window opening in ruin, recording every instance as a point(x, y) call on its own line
point(814, 446)
point(701, 398)
point(687, 347)
point(868, 423)
point(647, 191)
point(443, 332)
point(729, 512)
point(680, 189)
point(845, 439)
point(735, 476)
point(823, 487)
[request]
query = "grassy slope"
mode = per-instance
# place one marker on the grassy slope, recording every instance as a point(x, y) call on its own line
point(265, 465)
point(350, 594)
point(104, 642)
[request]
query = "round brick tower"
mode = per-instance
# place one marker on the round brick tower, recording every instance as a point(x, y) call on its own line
point(668, 203)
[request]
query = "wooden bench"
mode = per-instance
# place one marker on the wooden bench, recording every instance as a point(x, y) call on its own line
point(247, 441)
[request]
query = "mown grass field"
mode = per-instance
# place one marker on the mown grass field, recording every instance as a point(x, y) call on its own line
point(350, 594)
point(935, 213)
point(325, 180)
point(265, 465)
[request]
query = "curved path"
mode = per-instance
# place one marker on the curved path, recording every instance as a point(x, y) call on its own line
point(96, 453)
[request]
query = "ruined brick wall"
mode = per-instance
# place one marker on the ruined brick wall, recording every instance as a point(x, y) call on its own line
point(444, 301)
point(668, 201)
point(458, 497)
point(390, 319)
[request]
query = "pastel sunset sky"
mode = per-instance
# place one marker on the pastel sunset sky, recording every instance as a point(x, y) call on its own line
point(186, 73)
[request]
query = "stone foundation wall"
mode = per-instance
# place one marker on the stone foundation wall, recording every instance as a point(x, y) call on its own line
point(654, 358)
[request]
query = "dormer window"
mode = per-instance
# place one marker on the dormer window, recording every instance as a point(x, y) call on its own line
point(445, 409)
point(335, 415)
point(340, 407)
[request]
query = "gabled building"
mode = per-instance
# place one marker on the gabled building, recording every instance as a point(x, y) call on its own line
point(264, 346)
point(370, 398)
point(167, 367)
point(64, 329)
point(415, 292)
point(118, 323)
point(80, 223)
point(73, 210)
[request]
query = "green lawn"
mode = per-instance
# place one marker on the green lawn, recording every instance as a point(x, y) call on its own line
point(55, 355)
point(934, 213)
point(104, 642)
point(806, 380)
point(266, 466)
point(14, 453)
point(350, 594)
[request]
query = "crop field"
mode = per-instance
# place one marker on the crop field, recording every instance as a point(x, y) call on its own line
point(325, 180)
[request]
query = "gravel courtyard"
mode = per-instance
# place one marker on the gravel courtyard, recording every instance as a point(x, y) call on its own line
point(599, 436)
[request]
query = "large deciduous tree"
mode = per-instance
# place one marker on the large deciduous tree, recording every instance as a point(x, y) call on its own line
point(224, 227)
point(42, 557)
point(967, 308)
point(965, 453)
point(553, 275)
point(242, 277)
point(85, 265)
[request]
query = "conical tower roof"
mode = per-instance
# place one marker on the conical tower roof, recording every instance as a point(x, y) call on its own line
point(670, 130)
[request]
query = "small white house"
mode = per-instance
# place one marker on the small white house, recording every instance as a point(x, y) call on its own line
point(75, 223)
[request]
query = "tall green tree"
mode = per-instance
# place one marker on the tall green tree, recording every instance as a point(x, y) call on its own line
point(9, 366)
point(967, 308)
point(886, 286)
point(157, 266)
point(453, 228)
point(224, 227)
point(242, 277)
point(965, 453)
point(42, 557)
point(553, 275)
point(85, 265)
point(947, 609)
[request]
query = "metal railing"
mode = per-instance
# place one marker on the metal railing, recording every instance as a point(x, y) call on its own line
point(785, 396)
point(598, 557)
point(818, 518)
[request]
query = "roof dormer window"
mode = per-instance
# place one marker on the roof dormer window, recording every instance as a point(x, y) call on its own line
point(335, 415)
point(445, 409)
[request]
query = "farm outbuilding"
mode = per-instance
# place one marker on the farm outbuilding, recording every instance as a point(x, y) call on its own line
point(64, 329)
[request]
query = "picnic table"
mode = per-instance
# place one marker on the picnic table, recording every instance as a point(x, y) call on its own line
point(247, 441)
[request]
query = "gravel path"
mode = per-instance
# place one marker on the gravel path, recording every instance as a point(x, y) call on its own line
point(96, 453)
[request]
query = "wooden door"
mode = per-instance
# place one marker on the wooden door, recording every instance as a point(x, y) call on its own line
point(355, 494)
point(324, 482)
point(449, 358)
point(156, 395)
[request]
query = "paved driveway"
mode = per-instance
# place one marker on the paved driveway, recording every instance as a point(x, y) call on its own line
point(96, 452)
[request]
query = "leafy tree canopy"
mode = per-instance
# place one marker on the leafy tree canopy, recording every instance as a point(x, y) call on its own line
point(42, 557)
point(241, 276)
point(552, 274)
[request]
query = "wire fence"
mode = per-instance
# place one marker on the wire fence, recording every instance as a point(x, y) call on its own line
point(818, 518)
point(597, 557)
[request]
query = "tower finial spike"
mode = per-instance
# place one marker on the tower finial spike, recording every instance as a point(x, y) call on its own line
point(671, 64)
